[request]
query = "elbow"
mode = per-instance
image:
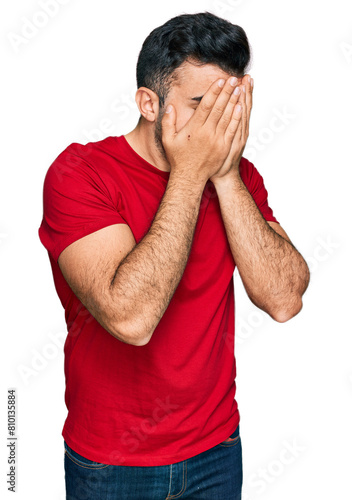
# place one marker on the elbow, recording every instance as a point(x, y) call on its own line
point(293, 303)
point(287, 312)
point(129, 334)
point(140, 341)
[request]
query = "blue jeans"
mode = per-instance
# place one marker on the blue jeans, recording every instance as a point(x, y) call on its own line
point(215, 474)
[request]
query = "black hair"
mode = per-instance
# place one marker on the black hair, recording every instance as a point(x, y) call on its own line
point(203, 38)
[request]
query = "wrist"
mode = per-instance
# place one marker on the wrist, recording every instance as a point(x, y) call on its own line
point(229, 180)
point(183, 179)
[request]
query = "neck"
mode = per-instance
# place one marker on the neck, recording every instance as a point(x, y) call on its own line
point(142, 140)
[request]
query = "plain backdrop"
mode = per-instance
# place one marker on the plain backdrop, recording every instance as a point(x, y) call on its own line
point(70, 77)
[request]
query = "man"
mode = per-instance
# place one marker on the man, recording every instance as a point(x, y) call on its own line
point(143, 233)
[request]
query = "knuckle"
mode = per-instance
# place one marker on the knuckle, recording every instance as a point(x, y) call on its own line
point(229, 90)
point(231, 129)
point(226, 117)
point(205, 105)
point(218, 109)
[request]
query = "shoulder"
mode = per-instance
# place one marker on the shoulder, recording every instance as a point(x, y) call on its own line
point(78, 161)
point(249, 174)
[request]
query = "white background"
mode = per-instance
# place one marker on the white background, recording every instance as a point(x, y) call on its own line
point(73, 80)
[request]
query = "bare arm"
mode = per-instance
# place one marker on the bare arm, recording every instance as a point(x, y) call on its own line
point(273, 272)
point(127, 287)
point(128, 298)
point(146, 279)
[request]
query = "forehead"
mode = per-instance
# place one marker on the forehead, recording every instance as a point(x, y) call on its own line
point(193, 80)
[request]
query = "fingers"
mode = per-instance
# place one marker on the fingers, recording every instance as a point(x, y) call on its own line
point(243, 102)
point(249, 99)
point(223, 112)
point(168, 123)
point(249, 93)
point(246, 101)
point(235, 124)
point(224, 102)
point(217, 108)
point(209, 99)
point(225, 119)
point(238, 129)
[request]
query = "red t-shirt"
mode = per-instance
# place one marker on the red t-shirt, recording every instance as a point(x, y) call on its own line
point(172, 398)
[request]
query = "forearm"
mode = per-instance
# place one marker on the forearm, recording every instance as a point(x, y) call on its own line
point(147, 277)
point(273, 272)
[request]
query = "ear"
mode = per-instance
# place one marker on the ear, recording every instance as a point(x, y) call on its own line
point(148, 103)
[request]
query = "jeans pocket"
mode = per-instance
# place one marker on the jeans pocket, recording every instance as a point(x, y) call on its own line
point(233, 439)
point(82, 461)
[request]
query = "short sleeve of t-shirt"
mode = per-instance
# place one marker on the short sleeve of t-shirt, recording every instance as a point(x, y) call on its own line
point(76, 202)
point(255, 185)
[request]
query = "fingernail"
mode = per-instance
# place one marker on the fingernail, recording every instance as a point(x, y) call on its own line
point(252, 82)
point(244, 89)
point(237, 90)
point(168, 109)
point(233, 81)
point(221, 82)
point(238, 108)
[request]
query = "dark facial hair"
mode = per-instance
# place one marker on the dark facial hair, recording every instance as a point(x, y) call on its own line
point(158, 134)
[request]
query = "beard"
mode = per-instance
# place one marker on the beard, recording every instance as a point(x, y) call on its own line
point(158, 134)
